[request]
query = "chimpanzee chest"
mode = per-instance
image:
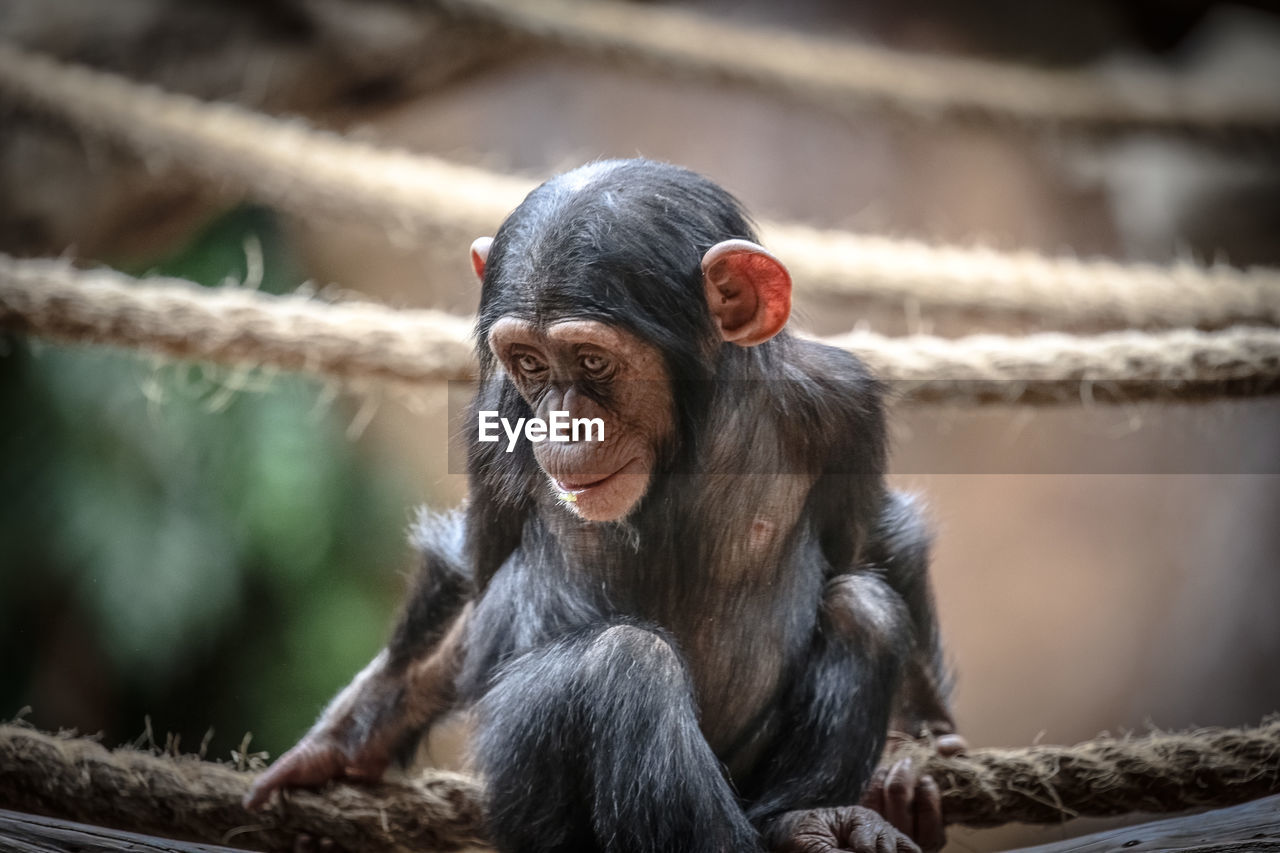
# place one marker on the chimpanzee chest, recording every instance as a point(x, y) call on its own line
point(740, 644)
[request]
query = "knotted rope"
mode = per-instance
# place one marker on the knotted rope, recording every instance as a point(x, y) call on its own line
point(318, 174)
point(360, 340)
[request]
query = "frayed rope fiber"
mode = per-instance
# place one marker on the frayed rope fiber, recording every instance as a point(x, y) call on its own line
point(79, 779)
point(319, 175)
point(1158, 772)
point(358, 340)
point(184, 797)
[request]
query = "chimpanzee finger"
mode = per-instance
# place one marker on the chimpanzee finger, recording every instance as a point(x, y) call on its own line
point(949, 745)
point(889, 840)
point(873, 798)
point(304, 844)
point(931, 833)
point(902, 844)
point(274, 778)
point(304, 765)
point(899, 792)
point(863, 835)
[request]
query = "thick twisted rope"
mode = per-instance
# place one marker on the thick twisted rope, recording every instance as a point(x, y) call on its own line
point(359, 340)
point(1160, 772)
point(317, 174)
point(79, 779)
point(229, 325)
point(843, 75)
point(1062, 292)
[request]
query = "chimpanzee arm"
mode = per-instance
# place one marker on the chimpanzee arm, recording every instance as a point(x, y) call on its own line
point(403, 690)
point(899, 547)
point(896, 556)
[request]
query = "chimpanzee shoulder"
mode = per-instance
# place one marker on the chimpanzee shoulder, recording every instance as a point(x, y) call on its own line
point(842, 402)
point(837, 414)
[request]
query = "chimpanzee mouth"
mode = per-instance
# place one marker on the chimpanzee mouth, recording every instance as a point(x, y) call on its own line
point(576, 486)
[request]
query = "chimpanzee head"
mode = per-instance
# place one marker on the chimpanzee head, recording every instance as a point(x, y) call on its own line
point(607, 287)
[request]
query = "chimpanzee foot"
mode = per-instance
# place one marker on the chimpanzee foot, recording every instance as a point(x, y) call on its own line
point(848, 828)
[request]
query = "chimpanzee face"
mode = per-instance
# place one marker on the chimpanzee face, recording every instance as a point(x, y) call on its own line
point(592, 371)
point(596, 374)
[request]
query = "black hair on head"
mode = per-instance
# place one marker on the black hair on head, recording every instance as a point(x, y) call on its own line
point(619, 241)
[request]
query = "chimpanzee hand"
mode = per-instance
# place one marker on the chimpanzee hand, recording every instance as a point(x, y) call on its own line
point(909, 798)
point(319, 757)
point(848, 828)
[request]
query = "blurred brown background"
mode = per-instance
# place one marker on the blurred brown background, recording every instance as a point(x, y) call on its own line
point(1098, 569)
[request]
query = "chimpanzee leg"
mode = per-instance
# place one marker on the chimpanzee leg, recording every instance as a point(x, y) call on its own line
point(592, 743)
point(830, 731)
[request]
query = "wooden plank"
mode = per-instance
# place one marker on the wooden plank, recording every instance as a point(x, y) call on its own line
point(28, 833)
point(1253, 826)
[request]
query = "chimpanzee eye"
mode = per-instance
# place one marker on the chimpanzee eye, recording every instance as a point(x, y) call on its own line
point(529, 364)
point(594, 365)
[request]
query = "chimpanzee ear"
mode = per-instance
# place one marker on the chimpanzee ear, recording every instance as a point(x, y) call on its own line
point(748, 291)
point(480, 254)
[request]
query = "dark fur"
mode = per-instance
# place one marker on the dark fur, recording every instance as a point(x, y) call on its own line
point(662, 683)
point(439, 588)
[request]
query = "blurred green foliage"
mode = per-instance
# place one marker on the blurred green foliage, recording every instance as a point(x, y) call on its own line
point(175, 545)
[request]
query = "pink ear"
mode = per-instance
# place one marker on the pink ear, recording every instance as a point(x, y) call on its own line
point(748, 291)
point(480, 254)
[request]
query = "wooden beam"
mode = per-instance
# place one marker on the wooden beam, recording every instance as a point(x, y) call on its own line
point(1253, 827)
point(28, 833)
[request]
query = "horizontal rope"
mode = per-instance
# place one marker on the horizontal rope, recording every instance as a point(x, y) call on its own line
point(361, 340)
point(1064, 292)
point(317, 174)
point(843, 74)
point(1159, 772)
point(1051, 367)
point(282, 162)
point(79, 779)
point(229, 325)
